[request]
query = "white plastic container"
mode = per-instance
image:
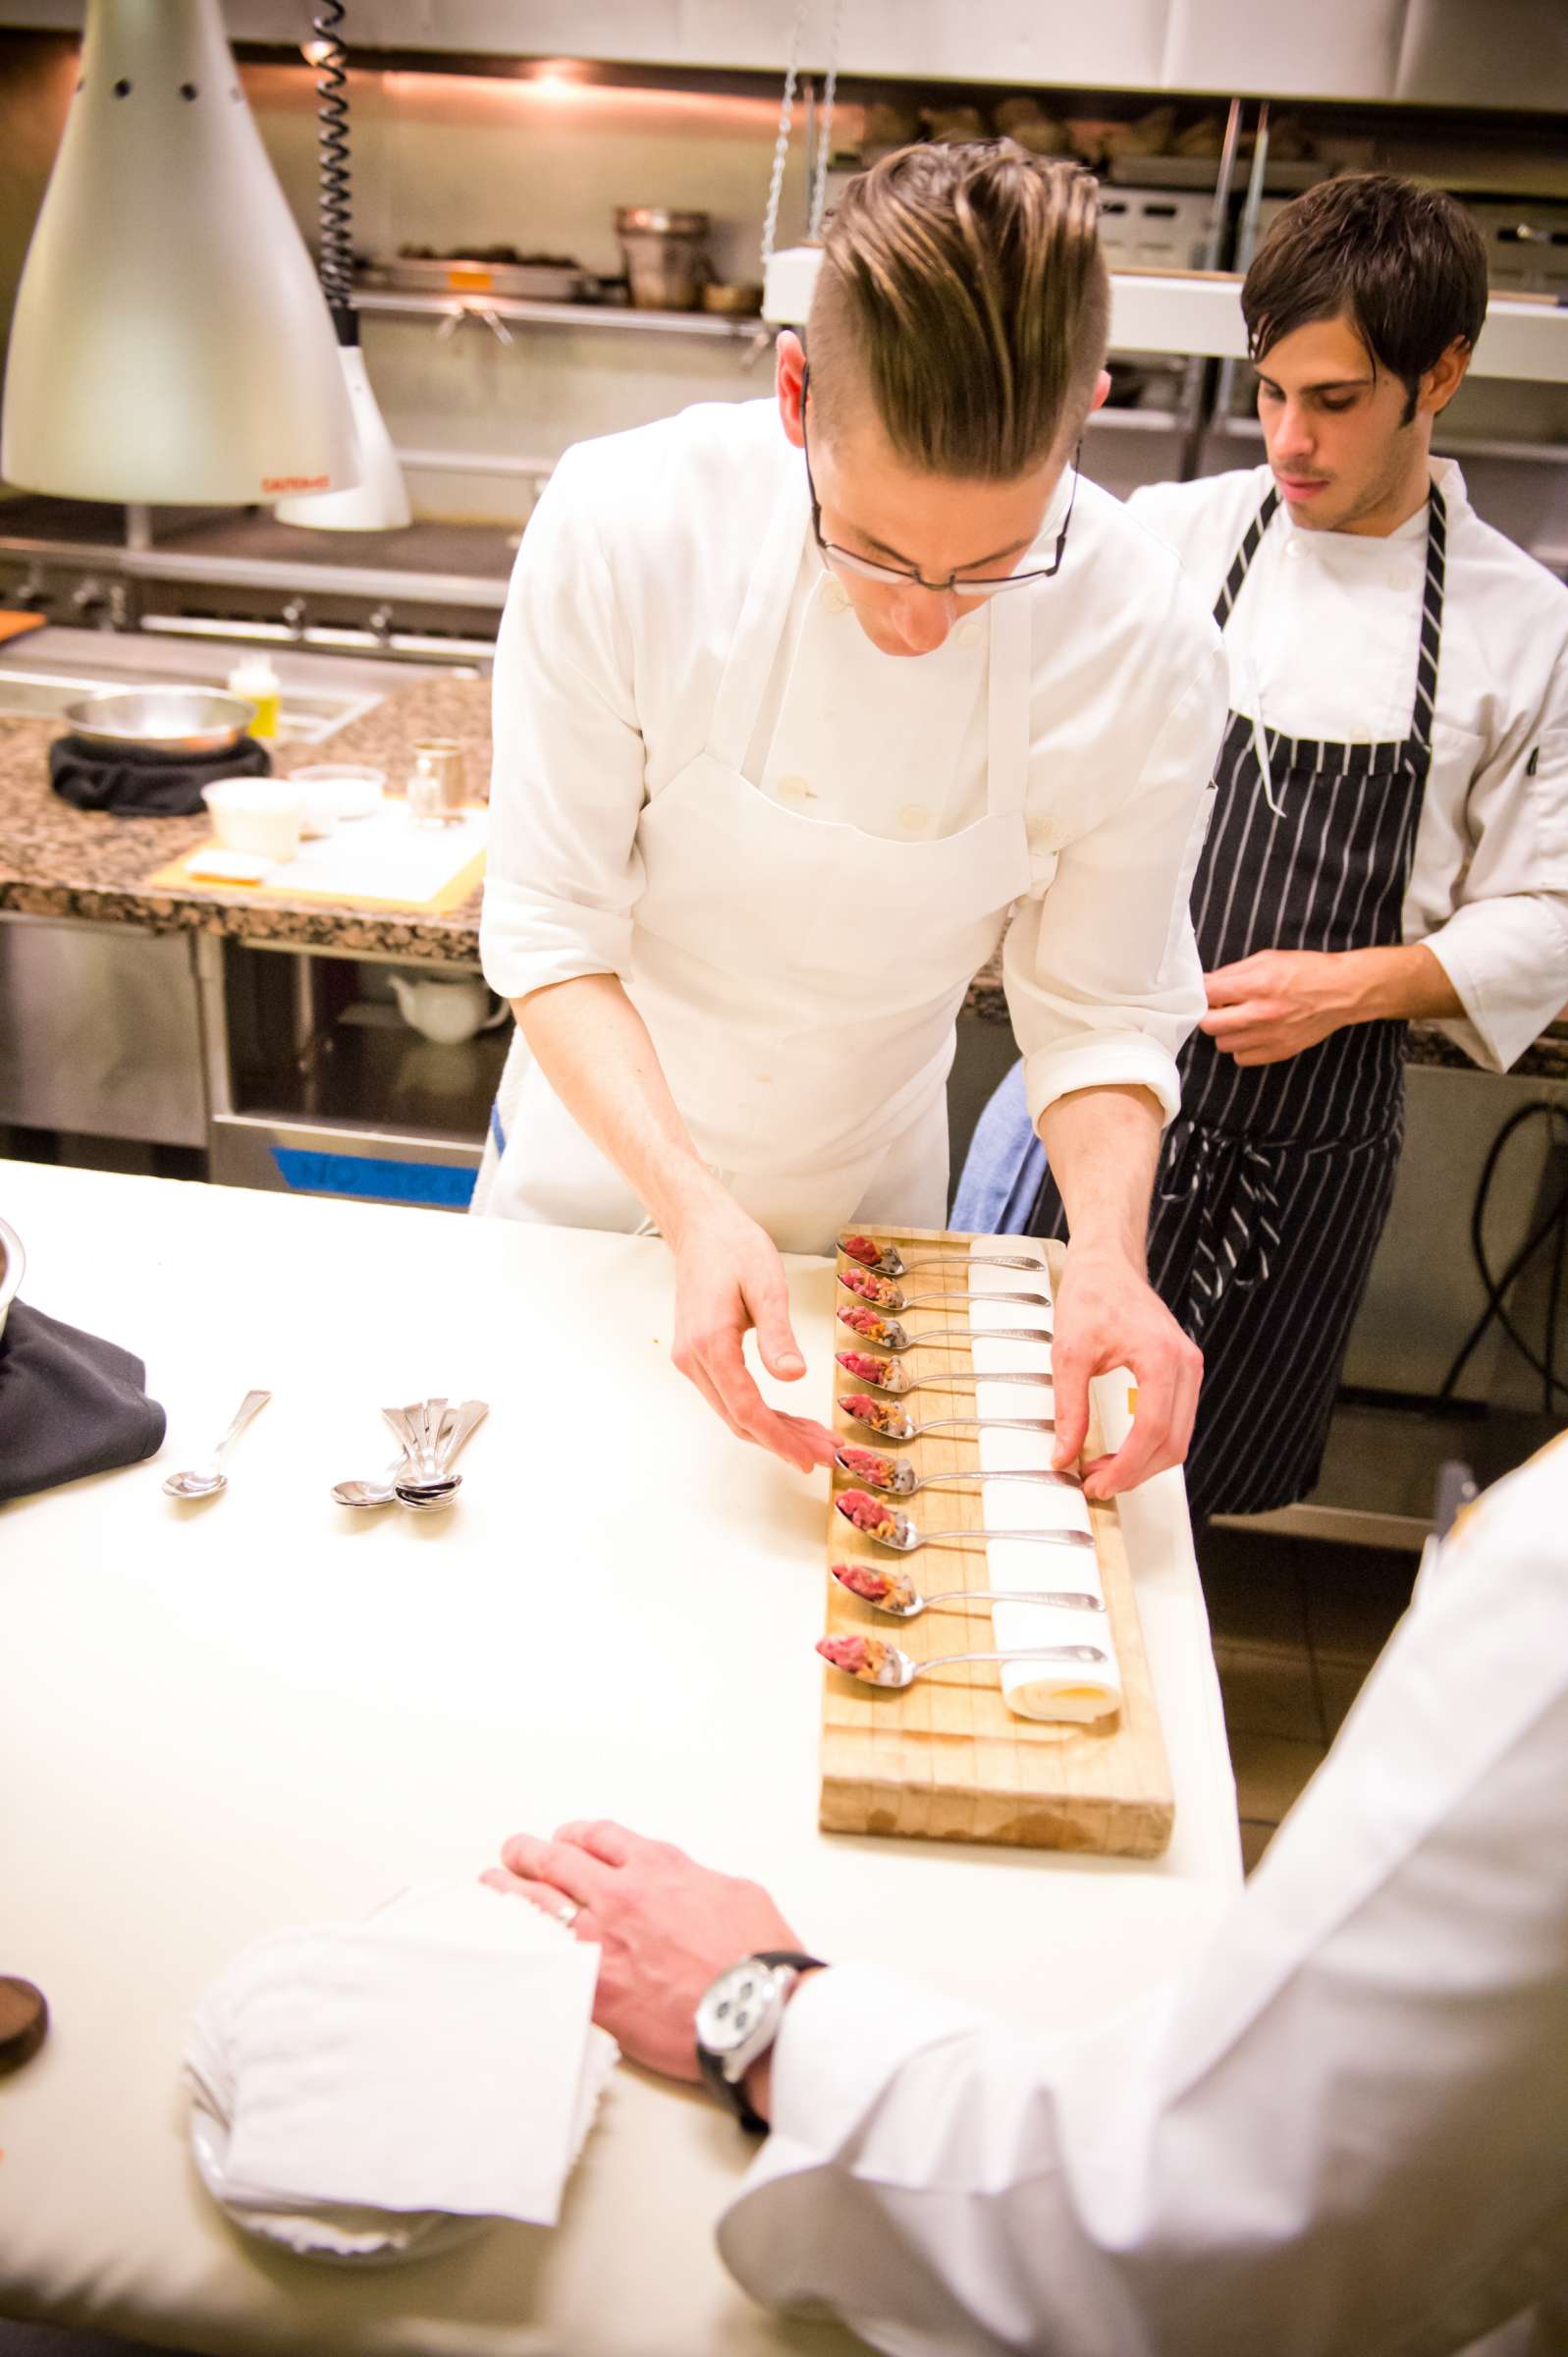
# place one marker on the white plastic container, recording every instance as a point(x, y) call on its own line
point(259, 815)
point(337, 791)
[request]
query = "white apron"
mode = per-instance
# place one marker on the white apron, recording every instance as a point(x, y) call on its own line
point(800, 979)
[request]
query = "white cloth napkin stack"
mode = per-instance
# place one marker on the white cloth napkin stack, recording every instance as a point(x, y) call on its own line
point(1070, 1690)
point(436, 2061)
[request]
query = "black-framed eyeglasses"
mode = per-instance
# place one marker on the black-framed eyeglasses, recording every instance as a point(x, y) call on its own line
point(961, 584)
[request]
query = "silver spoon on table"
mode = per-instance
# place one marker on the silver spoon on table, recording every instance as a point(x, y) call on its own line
point(876, 1663)
point(206, 1479)
point(891, 1262)
point(892, 1375)
point(895, 1476)
point(883, 1293)
point(884, 1526)
point(881, 1415)
point(896, 1594)
point(433, 1433)
point(427, 1493)
point(862, 1319)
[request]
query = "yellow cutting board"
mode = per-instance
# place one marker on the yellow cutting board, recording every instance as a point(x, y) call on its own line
point(947, 1759)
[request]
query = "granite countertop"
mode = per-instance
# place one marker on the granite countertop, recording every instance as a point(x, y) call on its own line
point(59, 861)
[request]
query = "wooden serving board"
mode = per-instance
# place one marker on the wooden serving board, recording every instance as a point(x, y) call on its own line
point(947, 1759)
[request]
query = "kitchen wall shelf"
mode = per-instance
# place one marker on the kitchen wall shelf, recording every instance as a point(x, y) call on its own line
point(516, 310)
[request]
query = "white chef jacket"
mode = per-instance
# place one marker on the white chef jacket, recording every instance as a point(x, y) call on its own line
point(1325, 631)
point(622, 605)
point(1343, 2132)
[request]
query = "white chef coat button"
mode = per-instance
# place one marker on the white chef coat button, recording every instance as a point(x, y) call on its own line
point(794, 789)
point(764, 1079)
point(913, 816)
point(967, 632)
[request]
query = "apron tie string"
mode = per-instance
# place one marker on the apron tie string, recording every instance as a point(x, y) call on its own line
point(1234, 1182)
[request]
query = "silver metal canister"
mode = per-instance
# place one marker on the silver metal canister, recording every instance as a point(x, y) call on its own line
point(438, 787)
point(665, 257)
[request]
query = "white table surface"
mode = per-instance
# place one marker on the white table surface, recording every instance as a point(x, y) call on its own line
point(217, 1720)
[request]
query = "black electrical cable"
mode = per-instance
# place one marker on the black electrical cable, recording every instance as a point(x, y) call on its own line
point(1555, 1229)
point(335, 264)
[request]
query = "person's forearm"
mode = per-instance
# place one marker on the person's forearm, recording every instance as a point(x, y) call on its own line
point(1103, 1145)
point(594, 1049)
point(1399, 983)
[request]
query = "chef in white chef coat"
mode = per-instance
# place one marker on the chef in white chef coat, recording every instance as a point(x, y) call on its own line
point(793, 702)
point(1342, 2132)
point(1390, 834)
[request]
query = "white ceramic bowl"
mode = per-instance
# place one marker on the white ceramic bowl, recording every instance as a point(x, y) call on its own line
point(259, 815)
point(336, 790)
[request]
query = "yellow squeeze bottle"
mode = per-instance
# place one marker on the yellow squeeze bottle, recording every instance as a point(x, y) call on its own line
point(255, 680)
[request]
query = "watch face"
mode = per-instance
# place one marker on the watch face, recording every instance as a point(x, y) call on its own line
point(730, 2010)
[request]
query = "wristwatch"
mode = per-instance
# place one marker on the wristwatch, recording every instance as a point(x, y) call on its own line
point(737, 2020)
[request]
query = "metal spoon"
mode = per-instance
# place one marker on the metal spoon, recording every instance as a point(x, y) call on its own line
point(896, 1594)
point(895, 1476)
point(884, 1526)
point(879, 1416)
point(864, 1320)
point(876, 1663)
point(891, 1262)
point(893, 1375)
point(883, 1293)
point(205, 1479)
point(379, 1491)
point(433, 1433)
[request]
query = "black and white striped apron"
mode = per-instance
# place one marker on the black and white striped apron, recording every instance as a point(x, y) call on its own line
point(1275, 1180)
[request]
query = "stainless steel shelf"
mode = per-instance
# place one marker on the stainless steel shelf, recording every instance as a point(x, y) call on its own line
point(516, 308)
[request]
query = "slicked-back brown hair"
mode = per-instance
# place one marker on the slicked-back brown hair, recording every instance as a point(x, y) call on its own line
point(1404, 264)
point(963, 290)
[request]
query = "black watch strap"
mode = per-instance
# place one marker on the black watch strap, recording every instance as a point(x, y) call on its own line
point(730, 2091)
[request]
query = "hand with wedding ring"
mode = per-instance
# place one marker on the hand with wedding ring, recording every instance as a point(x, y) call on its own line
point(666, 1926)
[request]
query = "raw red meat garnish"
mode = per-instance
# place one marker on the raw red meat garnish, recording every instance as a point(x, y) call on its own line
point(861, 1248)
point(862, 1579)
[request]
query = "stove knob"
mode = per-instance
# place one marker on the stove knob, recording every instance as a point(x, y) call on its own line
point(294, 616)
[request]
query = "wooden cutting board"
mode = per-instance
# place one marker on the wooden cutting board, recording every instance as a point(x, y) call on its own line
point(947, 1759)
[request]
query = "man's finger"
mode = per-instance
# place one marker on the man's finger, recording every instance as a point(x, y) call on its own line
point(1069, 1376)
point(567, 1870)
point(1221, 1022)
point(747, 1407)
point(611, 1844)
point(1141, 1452)
point(546, 1897)
point(1228, 983)
point(769, 1304)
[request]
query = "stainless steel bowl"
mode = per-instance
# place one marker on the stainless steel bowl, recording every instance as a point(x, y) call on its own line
point(166, 720)
point(12, 1266)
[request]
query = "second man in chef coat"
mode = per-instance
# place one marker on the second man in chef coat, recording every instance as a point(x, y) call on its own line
point(794, 700)
point(1390, 839)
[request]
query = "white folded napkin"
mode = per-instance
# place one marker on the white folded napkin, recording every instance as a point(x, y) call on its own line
point(438, 2058)
point(1065, 1690)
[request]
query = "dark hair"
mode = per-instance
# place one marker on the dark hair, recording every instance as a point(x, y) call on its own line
point(1404, 263)
point(964, 286)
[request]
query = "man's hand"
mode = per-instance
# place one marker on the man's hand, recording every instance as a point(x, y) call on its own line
point(729, 1276)
point(1108, 1316)
point(1277, 1002)
point(666, 1925)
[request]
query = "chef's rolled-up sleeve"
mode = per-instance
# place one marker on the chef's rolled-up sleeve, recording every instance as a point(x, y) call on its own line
point(1506, 946)
point(1101, 970)
point(567, 783)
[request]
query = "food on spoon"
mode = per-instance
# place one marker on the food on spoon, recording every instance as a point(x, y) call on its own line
point(895, 1589)
point(879, 1290)
point(863, 1248)
point(886, 1372)
point(880, 1415)
point(862, 1657)
point(874, 1515)
point(886, 1331)
point(871, 1466)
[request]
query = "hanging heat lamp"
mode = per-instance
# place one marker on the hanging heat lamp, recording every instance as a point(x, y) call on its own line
point(379, 501)
point(169, 343)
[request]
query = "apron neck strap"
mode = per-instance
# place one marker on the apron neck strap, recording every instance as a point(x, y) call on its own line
point(1431, 602)
point(750, 665)
point(1009, 674)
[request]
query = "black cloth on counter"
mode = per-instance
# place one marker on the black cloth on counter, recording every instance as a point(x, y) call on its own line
point(70, 1403)
point(146, 784)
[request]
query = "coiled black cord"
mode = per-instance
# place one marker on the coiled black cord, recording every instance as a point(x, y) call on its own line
point(336, 263)
point(1553, 1228)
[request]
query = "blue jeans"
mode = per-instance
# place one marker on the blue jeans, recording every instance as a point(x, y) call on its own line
point(1004, 1168)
